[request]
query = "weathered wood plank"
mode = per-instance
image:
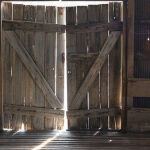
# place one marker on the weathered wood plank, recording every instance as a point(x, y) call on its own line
point(17, 70)
point(94, 70)
point(38, 122)
point(71, 72)
point(82, 67)
point(31, 26)
point(33, 69)
point(7, 78)
point(7, 11)
point(50, 56)
point(92, 113)
point(34, 111)
point(51, 27)
point(104, 70)
point(29, 83)
point(94, 27)
point(5, 70)
point(94, 46)
point(115, 69)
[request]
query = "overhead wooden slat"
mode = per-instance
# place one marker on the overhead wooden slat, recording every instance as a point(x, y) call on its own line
point(33, 69)
point(93, 72)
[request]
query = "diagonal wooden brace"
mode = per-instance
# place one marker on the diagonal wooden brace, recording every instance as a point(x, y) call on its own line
point(33, 69)
point(94, 70)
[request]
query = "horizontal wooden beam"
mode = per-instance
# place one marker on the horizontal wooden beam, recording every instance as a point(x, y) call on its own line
point(138, 87)
point(94, 27)
point(80, 56)
point(94, 70)
point(142, 22)
point(46, 27)
point(33, 111)
point(31, 26)
point(93, 113)
point(34, 71)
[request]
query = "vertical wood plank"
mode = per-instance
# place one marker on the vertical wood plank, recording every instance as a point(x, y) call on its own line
point(6, 97)
point(6, 11)
point(50, 51)
point(29, 96)
point(17, 70)
point(82, 69)
point(60, 60)
point(71, 67)
point(104, 70)
point(94, 46)
point(115, 69)
point(38, 122)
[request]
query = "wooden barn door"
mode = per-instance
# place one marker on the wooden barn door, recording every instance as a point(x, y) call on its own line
point(33, 69)
point(94, 77)
point(34, 66)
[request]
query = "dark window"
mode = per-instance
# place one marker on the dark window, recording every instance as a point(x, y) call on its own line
point(141, 102)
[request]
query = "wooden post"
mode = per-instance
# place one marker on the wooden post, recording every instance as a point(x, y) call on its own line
point(130, 62)
point(124, 69)
point(115, 70)
point(1, 101)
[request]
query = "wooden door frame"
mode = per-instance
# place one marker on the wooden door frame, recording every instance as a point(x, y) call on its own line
point(124, 71)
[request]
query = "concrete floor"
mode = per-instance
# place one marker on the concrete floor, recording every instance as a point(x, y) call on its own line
point(73, 140)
